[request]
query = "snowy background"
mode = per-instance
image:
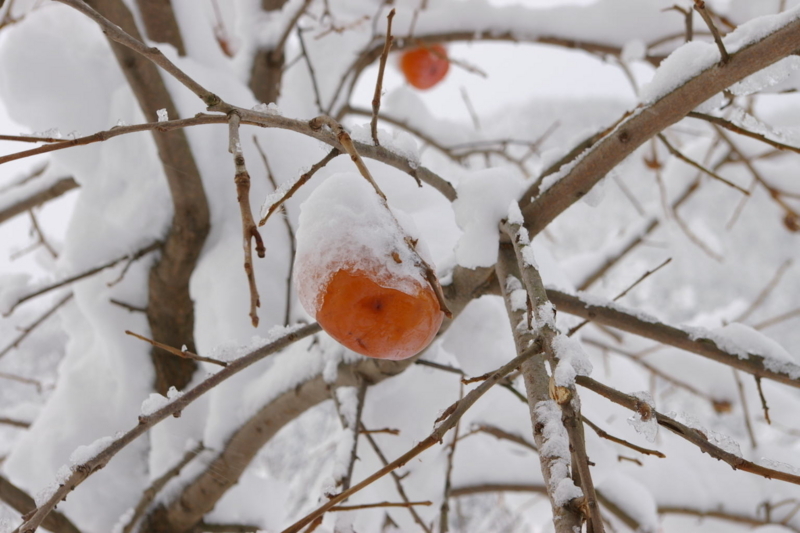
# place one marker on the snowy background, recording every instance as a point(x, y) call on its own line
point(57, 75)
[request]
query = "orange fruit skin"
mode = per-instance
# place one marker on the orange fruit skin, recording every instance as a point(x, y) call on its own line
point(425, 67)
point(377, 321)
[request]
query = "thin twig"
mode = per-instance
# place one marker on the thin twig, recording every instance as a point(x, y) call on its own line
point(374, 505)
point(743, 398)
point(445, 423)
point(40, 234)
point(700, 6)
point(311, 72)
point(500, 434)
point(692, 435)
point(353, 426)
point(289, 231)
point(604, 435)
point(129, 307)
point(644, 276)
point(763, 399)
point(674, 151)
point(82, 471)
point(376, 99)
point(38, 197)
point(398, 483)
point(47, 288)
point(777, 319)
point(15, 423)
point(116, 34)
point(299, 183)
point(149, 495)
point(20, 379)
point(249, 229)
point(174, 351)
point(728, 125)
point(765, 292)
point(27, 330)
point(444, 509)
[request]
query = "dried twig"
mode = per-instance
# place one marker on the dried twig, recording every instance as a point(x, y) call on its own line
point(20, 501)
point(149, 495)
point(728, 125)
point(700, 7)
point(311, 72)
point(765, 292)
point(116, 34)
point(398, 483)
point(641, 278)
point(39, 197)
point(289, 231)
point(694, 436)
point(604, 435)
point(763, 399)
point(47, 288)
point(777, 319)
point(81, 472)
point(743, 398)
point(444, 509)
point(15, 423)
point(500, 434)
point(249, 229)
point(444, 424)
point(174, 351)
point(20, 379)
point(302, 180)
point(674, 151)
point(376, 99)
point(28, 329)
point(353, 426)
point(382, 504)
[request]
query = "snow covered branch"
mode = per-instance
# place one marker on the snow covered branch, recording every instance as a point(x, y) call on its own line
point(105, 451)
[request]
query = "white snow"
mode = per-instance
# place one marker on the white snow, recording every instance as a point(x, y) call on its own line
point(345, 225)
point(555, 446)
point(572, 360)
point(397, 141)
point(84, 453)
point(156, 401)
point(267, 109)
point(483, 200)
point(12, 288)
point(162, 115)
point(644, 421)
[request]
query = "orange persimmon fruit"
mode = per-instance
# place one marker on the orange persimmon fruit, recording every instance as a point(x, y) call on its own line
point(360, 271)
point(378, 321)
point(426, 66)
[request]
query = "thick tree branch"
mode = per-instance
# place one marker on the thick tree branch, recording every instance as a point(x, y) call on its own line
point(37, 198)
point(82, 471)
point(648, 120)
point(21, 502)
point(697, 342)
point(160, 23)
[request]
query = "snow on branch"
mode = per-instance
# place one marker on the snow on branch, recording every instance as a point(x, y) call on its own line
point(100, 456)
point(715, 346)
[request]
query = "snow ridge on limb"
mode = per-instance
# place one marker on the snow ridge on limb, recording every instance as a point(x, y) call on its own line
point(620, 140)
point(700, 342)
point(80, 472)
point(560, 396)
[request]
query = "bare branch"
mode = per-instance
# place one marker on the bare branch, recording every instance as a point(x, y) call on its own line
point(28, 329)
point(249, 229)
point(47, 288)
point(636, 128)
point(700, 7)
point(452, 415)
point(21, 502)
point(149, 495)
point(604, 435)
point(694, 436)
point(674, 151)
point(728, 125)
point(763, 399)
point(376, 99)
point(118, 35)
point(174, 351)
point(81, 472)
point(382, 504)
point(697, 342)
point(38, 197)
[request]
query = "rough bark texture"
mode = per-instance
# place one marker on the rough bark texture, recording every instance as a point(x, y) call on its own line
point(160, 24)
point(21, 502)
point(170, 310)
point(267, 73)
